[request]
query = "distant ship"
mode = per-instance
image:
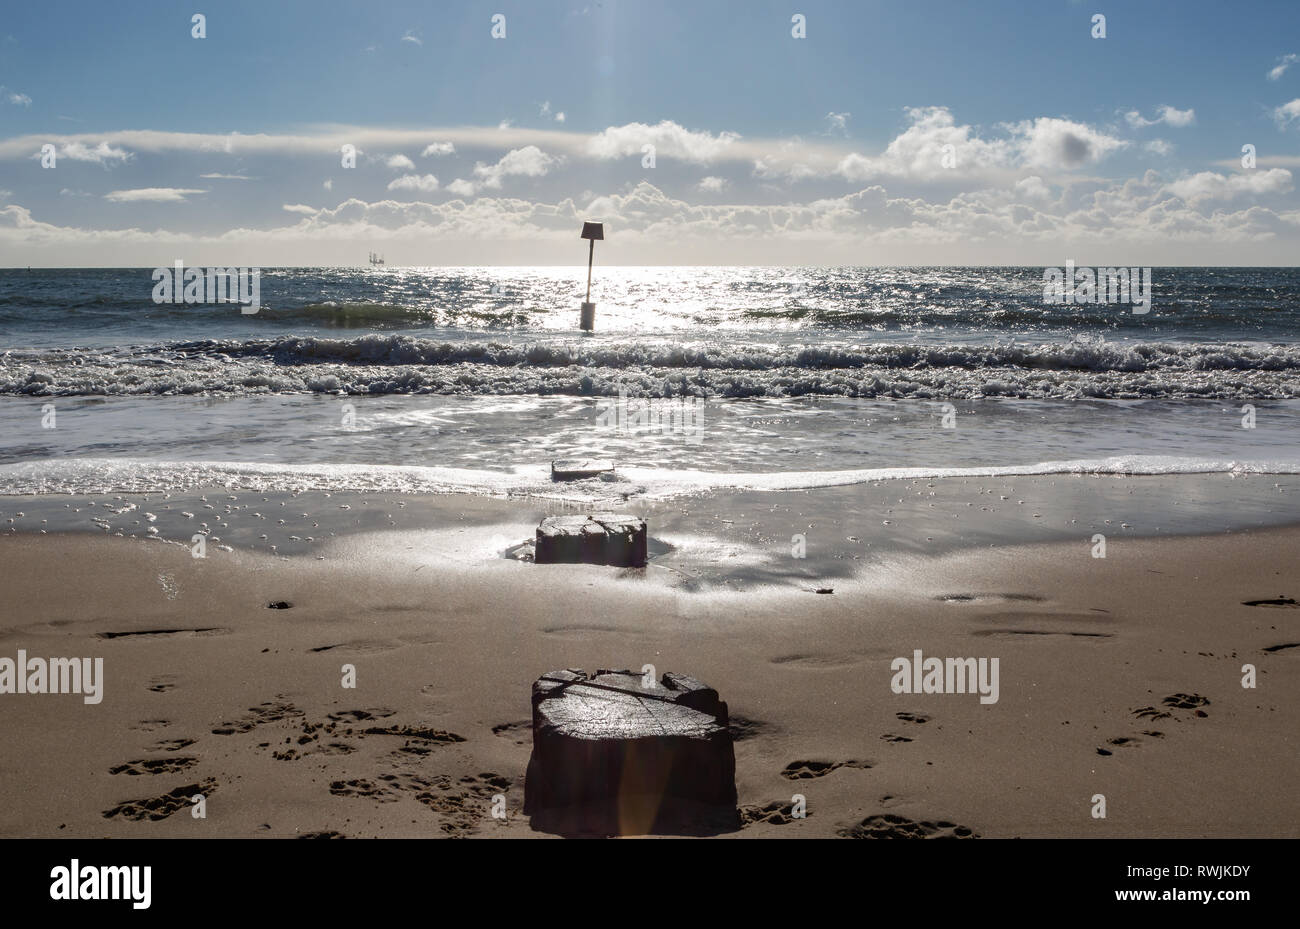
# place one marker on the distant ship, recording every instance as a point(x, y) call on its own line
point(376, 260)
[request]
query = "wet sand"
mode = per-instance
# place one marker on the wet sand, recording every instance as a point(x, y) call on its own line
point(1119, 677)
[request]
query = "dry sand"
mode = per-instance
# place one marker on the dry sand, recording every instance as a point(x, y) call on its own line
point(211, 692)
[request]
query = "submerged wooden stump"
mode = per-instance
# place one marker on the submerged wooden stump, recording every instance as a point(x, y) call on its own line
point(601, 538)
point(577, 469)
point(614, 754)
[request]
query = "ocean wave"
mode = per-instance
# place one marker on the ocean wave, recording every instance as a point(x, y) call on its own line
point(403, 364)
point(125, 475)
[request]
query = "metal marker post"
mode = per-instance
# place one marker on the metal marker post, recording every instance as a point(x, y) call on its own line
point(591, 232)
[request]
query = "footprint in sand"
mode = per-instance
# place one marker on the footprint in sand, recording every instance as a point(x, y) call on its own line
point(360, 787)
point(159, 633)
point(778, 813)
point(268, 712)
point(322, 835)
point(1192, 702)
point(1281, 601)
point(892, 826)
point(356, 716)
point(154, 765)
point(157, 808)
point(149, 725)
point(890, 737)
point(309, 742)
point(520, 732)
point(1186, 701)
point(329, 748)
point(1150, 712)
point(461, 802)
point(802, 770)
point(991, 598)
point(841, 660)
point(743, 728)
point(171, 745)
point(913, 717)
point(464, 803)
point(365, 645)
point(420, 740)
point(1119, 742)
point(579, 630)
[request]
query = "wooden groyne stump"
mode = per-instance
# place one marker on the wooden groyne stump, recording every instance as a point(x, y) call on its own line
point(578, 469)
point(601, 538)
point(618, 753)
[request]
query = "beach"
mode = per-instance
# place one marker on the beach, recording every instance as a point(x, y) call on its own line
point(1119, 677)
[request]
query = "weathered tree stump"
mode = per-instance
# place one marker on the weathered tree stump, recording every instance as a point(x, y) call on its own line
point(576, 469)
point(615, 754)
point(601, 538)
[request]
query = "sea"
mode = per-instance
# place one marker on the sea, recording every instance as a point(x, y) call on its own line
point(473, 380)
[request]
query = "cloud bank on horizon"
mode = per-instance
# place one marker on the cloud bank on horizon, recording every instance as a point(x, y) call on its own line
point(828, 134)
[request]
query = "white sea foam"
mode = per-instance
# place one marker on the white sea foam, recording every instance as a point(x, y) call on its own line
point(374, 365)
point(120, 475)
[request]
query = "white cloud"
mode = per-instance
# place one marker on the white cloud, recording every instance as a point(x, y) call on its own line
point(713, 185)
point(529, 161)
point(1177, 118)
point(299, 208)
point(1170, 116)
point(328, 184)
point(995, 224)
point(505, 124)
point(1286, 113)
point(1209, 185)
point(103, 153)
point(12, 96)
point(545, 111)
point(838, 123)
point(1048, 142)
point(1159, 147)
point(425, 183)
point(227, 177)
point(411, 36)
point(669, 139)
point(1283, 63)
point(919, 150)
point(152, 194)
point(326, 140)
point(934, 139)
point(438, 149)
point(399, 163)
point(1033, 188)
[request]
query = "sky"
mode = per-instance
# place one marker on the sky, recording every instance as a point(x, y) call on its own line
point(700, 132)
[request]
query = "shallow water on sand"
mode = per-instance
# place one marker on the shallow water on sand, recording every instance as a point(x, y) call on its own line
point(809, 539)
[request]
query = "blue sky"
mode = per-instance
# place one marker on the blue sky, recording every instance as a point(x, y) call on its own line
point(767, 148)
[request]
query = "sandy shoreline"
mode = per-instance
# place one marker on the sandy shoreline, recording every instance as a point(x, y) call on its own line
point(211, 691)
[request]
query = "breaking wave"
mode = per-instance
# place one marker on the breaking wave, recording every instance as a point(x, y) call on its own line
point(404, 364)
